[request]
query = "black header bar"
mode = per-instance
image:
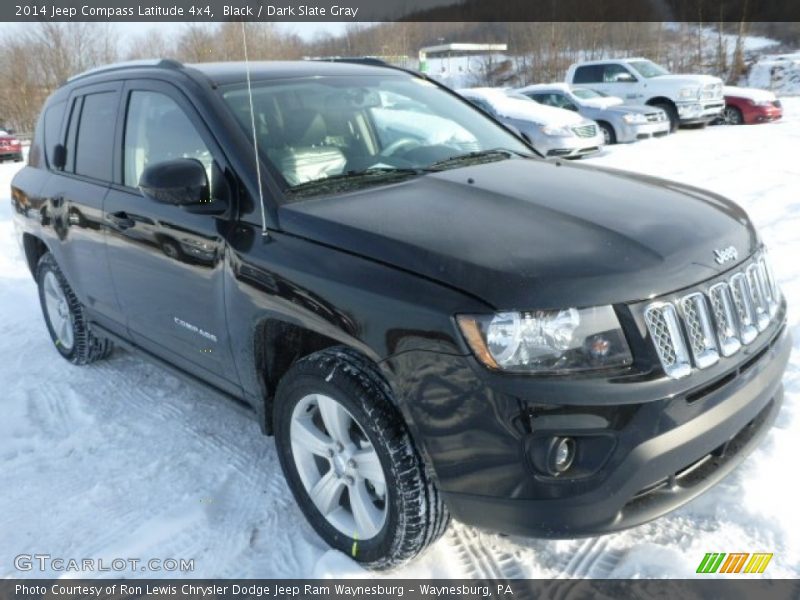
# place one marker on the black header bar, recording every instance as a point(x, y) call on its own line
point(708, 11)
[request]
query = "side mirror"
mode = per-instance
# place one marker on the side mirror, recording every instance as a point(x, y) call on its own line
point(180, 182)
point(59, 157)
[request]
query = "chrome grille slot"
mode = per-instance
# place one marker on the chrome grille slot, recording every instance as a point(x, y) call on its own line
point(725, 318)
point(662, 322)
point(585, 131)
point(757, 296)
point(744, 308)
point(768, 286)
point(697, 329)
point(701, 336)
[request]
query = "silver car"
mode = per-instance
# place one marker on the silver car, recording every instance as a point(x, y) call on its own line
point(619, 123)
point(551, 131)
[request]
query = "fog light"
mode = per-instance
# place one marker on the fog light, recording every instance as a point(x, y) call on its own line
point(561, 455)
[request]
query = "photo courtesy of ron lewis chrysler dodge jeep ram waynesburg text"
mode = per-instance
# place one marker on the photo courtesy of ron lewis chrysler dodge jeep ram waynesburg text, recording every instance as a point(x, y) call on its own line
point(431, 321)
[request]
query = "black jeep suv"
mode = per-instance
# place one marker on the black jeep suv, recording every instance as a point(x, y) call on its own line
point(430, 318)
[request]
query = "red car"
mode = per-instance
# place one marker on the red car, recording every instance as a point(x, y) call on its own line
point(744, 106)
point(10, 147)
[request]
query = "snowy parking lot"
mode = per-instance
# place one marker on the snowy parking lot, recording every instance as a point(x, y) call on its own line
point(120, 459)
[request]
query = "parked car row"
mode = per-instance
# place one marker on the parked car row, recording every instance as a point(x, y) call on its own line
point(613, 101)
point(10, 147)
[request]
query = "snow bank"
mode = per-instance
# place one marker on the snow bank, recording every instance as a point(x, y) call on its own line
point(777, 72)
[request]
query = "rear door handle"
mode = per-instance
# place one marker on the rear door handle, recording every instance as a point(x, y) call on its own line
point(121, 220)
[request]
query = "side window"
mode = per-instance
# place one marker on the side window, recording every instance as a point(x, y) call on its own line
point(614, 73)
point(52, 128)
point(95, 142)
point(546, 99)
point(482, 104)
point(562, 101)
point(157, 130)
point(589, 74)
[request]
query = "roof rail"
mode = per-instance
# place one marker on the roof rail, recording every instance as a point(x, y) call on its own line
point(163, 63)
point(356, 60)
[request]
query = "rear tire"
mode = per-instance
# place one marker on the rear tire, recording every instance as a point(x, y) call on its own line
point(65, 317)
point(341, 440)
point(672, 115)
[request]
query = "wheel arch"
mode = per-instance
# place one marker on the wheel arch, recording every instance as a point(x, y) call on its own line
point(34, 248)
point(660, 100)
point(278, 344)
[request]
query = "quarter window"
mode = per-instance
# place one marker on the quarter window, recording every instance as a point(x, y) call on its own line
point(157, 130)
point(52, 128)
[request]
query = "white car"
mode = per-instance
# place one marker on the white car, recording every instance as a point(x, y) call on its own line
point(551, 131)
point(687, 99)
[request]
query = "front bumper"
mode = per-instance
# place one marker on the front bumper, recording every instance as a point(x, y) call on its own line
point(650, 445)
point(690, 113)
point(643, 131)
point(762, 114)
point(572, 146)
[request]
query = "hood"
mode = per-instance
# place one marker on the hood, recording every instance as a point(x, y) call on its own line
point(602, 103)
point(754, 94)
point(523, 234)
point(530, 110)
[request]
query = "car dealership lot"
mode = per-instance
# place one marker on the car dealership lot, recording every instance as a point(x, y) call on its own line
point(121, 460)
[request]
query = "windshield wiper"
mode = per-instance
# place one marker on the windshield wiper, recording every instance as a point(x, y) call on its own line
point(355, 178)
point(478, 156)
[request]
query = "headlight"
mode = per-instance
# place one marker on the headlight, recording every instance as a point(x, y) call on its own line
point(547, 341)
point(556, 131)
point(763, 103)
point(689, 93)
point(632, 118)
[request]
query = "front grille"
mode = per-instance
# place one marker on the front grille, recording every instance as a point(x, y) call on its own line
point(656, 117)
point(585, 131)
point(712, 90)
point(705, 324)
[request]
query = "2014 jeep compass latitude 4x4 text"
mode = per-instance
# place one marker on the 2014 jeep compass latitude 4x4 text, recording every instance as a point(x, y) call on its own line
point(429, 318)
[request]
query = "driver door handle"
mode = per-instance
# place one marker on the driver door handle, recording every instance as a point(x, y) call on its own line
point(121, 220)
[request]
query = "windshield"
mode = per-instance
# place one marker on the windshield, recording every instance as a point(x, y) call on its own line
point(587, 94)
point(329, 128)
point(648, 69)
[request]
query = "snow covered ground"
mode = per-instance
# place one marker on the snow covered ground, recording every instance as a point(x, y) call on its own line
point(120, 459)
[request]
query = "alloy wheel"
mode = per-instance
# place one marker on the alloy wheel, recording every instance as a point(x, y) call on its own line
point(338, 466)
point(731, 116)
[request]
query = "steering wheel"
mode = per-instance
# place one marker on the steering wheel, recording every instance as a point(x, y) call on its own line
point(396, 145)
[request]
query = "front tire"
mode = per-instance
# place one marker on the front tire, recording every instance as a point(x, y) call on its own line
point(672, 115)
point(609, 136)
point(65, 317)
point(351, 463)
point(732, 116)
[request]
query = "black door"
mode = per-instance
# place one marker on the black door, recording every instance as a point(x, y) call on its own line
point(75, 196)
point(168, 264)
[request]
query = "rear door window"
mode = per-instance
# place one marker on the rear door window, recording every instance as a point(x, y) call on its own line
point(589, 74)
point(95, 136)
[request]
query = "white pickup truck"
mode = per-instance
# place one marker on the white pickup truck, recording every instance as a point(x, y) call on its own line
point(687, 99)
